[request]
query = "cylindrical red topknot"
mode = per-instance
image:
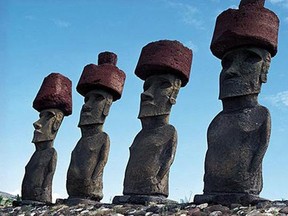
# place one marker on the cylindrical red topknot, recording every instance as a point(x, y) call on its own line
point(165, 56)
point(107, 58)
point(250, 25)
point(55, 92)
point(254, 3)
point(106, 76)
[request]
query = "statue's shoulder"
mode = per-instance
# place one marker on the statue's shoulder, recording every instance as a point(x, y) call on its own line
point(103, 136)
point(169, 129)
point(263, 110)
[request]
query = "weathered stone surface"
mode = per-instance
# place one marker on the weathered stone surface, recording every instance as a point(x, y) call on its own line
point(107, 58)
point(53, 101)
point(100, 86)
point(55, 92)
point(151, 156)
point(105, 75)
point(153, 149)
point(250, 25)
point(128, 209)
point(141, 199)
point(88, 159)
point(165, 56)
point(238, 136)
point(164, 65)
point(39, 172)
point(37, 182)
point(240, 132)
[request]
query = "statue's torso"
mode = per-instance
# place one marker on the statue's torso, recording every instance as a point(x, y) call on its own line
point(86, 155)
point(235, 139)
point(147, 154)
point(38, 177)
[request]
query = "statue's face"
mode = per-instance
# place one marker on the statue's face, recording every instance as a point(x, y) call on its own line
point(47, 126)
point(96, 107)
point(243, 72)
point(160, 92)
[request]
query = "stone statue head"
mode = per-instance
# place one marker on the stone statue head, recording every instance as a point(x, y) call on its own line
point(243, 71)
point(47, 126)
point(160, 93)
point(96, 107)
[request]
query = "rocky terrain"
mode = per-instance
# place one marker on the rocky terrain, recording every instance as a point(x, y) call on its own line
point(264, 209)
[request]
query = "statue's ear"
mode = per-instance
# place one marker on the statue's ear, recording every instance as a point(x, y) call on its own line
point(263, 77)
point(173, 96)
point(57, 122)
point(107, 107)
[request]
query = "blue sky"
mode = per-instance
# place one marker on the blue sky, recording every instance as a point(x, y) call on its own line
point(39, 37)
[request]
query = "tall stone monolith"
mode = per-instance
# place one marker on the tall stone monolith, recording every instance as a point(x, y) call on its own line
point(53, 101)
point(100, 85)
point(165, 67)
point(244, 39)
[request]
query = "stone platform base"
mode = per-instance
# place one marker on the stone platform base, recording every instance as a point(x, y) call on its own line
point(141, 200)
point(76, 201)
point(30, 202)
point(229, 198)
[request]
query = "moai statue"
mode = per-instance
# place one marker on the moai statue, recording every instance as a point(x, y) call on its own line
point(53, 101)
point(100, 85)
point(165, 67)
point(244, 39)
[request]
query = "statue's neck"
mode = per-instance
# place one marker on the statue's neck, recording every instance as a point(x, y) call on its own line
point(90, 130)
point(44, 145)
point(154, 121)
point(239, 103)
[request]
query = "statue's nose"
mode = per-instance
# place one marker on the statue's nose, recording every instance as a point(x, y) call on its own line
point(37, 125)
point(146, 96)
point(87, 107)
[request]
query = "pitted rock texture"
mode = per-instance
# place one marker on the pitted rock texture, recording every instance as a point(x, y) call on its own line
point(55, 92)
point(250, 25)
point(189, 209)
point(165, 56)
point(105, 75)
point(107, 58)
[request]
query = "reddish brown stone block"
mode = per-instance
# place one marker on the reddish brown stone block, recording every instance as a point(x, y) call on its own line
point(165, 56)
point(55, 92)
point(107, 58)
point(106, 75)
point(250, 25)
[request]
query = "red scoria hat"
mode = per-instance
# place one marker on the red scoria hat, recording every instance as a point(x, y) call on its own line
point(55, 92)
point(250, 25)
point(105, 75)
point(165, 56)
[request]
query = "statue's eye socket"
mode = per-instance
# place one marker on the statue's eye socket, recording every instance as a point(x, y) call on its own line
point(252, 58)
point(99, 97)
point(165, 84)
point(226, 63)
point(146, 86)
point(86, 99)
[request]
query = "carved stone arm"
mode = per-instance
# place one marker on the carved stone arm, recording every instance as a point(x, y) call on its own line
point(167, 157)
point(103, 158)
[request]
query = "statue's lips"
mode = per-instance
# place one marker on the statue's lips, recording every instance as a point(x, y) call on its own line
point(86, 113)
point(231, 81)
point(37, 132)
point(147, 103)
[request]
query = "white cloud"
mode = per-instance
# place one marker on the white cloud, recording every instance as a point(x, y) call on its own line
point(29, 17)
point(276, 1)
point(188, 13)
point(280, 2)
point(61, 23)
point(279, 100)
